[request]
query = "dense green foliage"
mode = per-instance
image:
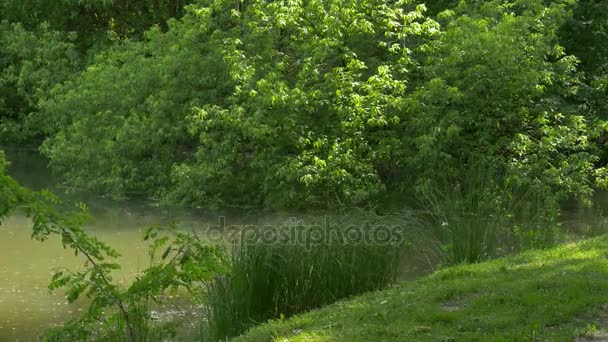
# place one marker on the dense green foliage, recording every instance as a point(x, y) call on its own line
point(92, 19)
point(31, 63)
point(584, 35)
point(43, 43)
point(226, 102)
point(325, 104)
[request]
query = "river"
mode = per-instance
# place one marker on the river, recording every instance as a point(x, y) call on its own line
point(27, 308)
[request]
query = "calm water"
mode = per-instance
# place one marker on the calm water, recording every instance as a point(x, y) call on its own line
point(27, 307)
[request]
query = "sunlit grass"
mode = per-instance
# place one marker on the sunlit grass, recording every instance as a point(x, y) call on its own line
point(551, 295)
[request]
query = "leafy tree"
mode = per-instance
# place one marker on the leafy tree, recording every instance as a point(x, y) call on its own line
point(78, 16)
point(31, 63)
point(585, 36)
point(116, 313)
point(272, 106)
point(123, 118)
point(498, 89)
point(92, 19)
point(330, 103)
point(585, 33)
point(44, 43)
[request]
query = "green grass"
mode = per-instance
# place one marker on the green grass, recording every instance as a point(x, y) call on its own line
point(551, 295)
point(483, 217)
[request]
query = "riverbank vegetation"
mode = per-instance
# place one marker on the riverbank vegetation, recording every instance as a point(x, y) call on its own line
point(467, 126)
point(557, 294)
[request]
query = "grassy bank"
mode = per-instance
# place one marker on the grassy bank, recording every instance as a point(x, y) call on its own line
point(560, 294)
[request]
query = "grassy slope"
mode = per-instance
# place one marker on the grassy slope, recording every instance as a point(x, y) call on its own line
point(553, 295)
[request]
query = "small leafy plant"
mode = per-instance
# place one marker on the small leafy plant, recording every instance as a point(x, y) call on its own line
point(117, 313)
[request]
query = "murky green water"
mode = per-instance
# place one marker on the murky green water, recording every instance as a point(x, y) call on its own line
point(27, 307)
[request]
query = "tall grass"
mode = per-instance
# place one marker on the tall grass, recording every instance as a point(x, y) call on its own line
point(277, 279)
point(483, 216)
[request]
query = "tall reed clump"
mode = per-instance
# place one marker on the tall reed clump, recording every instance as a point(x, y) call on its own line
point(277, 278)
point(483, 216)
